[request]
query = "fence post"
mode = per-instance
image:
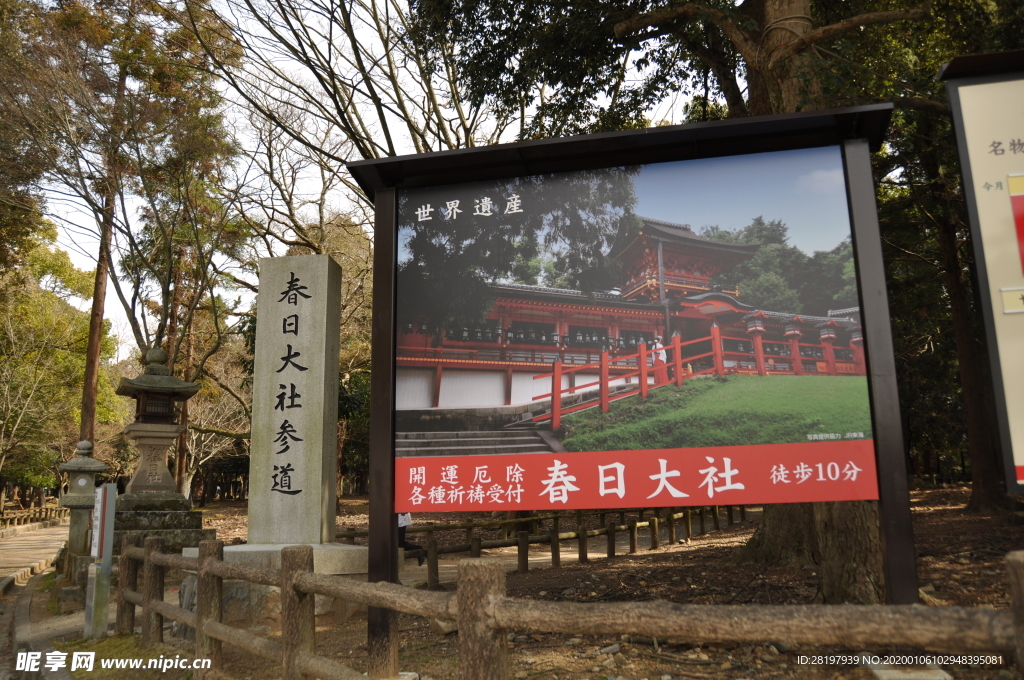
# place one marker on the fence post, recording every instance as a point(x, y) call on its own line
point(348, 540)
point(433, 575)
point(611, 538)
point(556, 395)
point(632, 537)
point(640, 516)
point(153, 590)
point(714, 517)
point(556, 555)
point(655, 532)
point(298, 612)
point(716, 349)
point(483, 649)
point(127, 579)
point(1015, 572)
point(641, 364)
point(603, 387)
point(474, 547)
point(677, 354)
point(524, 552)
point(743, 513)
point(581, 535)
point(209, 602)
point(672, 526)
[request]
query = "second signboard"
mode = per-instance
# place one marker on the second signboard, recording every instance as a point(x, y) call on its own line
point(681, 333)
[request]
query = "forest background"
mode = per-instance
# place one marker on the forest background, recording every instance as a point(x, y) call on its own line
point(178, 141)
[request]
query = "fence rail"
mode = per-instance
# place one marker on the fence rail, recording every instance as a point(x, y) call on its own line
point(484, 614)
point(475, 544)
point(18, 517)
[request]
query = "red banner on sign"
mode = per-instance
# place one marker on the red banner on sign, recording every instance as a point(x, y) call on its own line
point(724, 475)
point(1016, 186)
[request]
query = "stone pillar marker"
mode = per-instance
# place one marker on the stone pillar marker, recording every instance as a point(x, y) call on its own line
point(293, 461)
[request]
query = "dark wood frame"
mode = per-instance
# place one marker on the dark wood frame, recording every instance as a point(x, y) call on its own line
point(857, 130)
point(964, 72)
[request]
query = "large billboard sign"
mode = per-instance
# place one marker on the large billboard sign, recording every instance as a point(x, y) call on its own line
point(677, 333)
point(689, 315)
point(986, 94)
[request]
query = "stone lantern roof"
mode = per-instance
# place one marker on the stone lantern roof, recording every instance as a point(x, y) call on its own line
point(83, 468)
point(157, 379)
point(83, 460)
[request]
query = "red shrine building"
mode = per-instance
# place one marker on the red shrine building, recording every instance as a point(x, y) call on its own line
point(666, 292)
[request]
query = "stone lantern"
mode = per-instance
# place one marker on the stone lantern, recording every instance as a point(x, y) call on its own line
point(154, 431)
point(82, 471)
point(151, 505)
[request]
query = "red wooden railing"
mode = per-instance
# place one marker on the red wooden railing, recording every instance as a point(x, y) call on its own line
point(606, 363)
point(603, 383)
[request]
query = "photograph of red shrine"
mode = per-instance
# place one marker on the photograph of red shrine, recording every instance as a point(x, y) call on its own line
point(561, 342)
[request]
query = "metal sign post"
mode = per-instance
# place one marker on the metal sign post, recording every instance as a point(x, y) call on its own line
point(97, 597)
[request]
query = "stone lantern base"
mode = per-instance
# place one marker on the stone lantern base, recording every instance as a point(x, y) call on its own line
point(151, 506)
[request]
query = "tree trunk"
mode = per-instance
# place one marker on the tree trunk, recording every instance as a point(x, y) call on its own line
point(786, 534)
point(987, 482)
point(841, 538)
point(181, 472)
point(851, 552)
point(90, 382)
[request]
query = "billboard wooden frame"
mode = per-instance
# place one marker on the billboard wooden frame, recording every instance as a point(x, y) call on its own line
point(856, 130)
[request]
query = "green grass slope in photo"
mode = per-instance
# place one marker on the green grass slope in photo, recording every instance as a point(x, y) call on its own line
point(737, 410)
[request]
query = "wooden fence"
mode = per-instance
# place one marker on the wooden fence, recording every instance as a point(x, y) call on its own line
point(19, 517)
point(485, 614)
point(475, 544)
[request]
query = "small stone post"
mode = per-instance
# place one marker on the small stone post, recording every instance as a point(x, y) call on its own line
point(655, 532)
point(632, 537)
point(611, 538)
point(298, 611)
point(483, 650)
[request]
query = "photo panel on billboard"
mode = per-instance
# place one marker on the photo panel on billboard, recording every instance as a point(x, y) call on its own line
point(670, 334)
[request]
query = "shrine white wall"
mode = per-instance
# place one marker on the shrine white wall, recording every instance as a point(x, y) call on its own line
point(460, 388)
point(414, 388)
point(472, 389)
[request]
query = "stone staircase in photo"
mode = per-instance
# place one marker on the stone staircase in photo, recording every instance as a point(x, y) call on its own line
point(408, 444)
